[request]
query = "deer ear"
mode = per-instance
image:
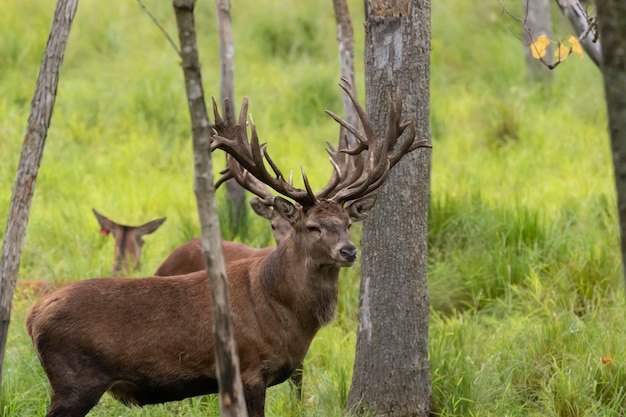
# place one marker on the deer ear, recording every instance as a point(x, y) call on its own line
point(262, 208)
point(359, 209)
point(286, 209)
point(146, 229)
point(106, 225)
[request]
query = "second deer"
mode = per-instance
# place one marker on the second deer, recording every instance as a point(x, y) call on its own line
point(189, 258)
point(128, 241)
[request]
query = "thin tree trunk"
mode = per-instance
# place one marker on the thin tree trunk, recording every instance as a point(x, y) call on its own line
point(612, 22)
point(538, 19)
point(236, 193)
point(575, 12)
point(345, 38)
point(391, 371)
point(30, 160)
point(232, 401)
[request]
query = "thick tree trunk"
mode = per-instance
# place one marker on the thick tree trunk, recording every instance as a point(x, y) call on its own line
point(538, 19)
point(575, 12)
point(236, 193)
point(345, 38)
point(391, 372)
point(30, 160)
point(232, 401)
point(612, 22)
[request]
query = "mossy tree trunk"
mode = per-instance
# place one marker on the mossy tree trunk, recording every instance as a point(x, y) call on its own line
point(612, 22)
point(391, 371)
point(30, 160)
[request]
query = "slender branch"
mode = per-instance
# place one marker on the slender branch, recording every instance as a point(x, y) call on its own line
point(159, 25)
point(528, 32)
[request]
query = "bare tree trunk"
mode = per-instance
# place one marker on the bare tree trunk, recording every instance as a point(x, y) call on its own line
point(575, 12)
point(391, 371)
point(538, 19)
point(236, 194)
point(30, 160)
point(232, 401)
point(345, 38)
point(612, 22)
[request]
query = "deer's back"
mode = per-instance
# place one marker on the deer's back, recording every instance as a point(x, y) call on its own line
point(188, 257)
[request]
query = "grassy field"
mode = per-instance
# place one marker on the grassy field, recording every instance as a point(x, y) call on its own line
point(527, 296)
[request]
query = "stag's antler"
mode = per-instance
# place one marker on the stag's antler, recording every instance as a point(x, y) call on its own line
point(228, 128)
point(233, 139)
point(242, 176)
point(381, 155)
point(356, 172)
point(347, 163)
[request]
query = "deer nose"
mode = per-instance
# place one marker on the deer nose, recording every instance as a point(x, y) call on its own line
point(349, 252)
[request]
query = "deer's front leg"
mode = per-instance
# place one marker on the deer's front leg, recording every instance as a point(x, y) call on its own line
point(255, 399)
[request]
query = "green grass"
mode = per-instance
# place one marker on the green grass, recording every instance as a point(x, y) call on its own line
point(525, 282)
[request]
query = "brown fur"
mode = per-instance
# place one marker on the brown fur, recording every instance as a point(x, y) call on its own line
point(149, 340)
point(189, 258)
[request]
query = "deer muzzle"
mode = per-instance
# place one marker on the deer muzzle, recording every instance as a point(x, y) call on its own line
point(348, 254)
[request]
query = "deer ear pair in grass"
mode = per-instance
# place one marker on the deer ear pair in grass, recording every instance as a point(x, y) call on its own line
point(188, 257)
point(149, 340)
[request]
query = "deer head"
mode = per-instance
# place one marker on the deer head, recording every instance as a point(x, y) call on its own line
point(128, 241)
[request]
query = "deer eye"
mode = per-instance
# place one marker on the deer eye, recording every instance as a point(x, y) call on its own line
point(313, 228)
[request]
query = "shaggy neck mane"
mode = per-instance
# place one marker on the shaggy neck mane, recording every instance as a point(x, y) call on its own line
point(303, 287)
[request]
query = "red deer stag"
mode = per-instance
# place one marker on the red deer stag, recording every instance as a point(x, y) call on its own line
point(149, 340)
point(189, 258)
point(128, 241)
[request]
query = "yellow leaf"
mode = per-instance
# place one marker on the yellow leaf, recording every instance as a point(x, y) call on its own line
point(562, 52)
point(576, 48)
point(538, 48)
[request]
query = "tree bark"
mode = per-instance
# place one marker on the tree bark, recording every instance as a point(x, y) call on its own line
point(391, 371)
point(30, 160)
point(345, 38)
point(538, 19)
point(231, 397)
point(612, 23)
point(236, 193)
point(575, 12)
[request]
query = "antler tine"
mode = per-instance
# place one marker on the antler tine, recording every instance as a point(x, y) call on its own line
point(356, 132)
point(233, 139)
point(278, 183)
point(348, 166)
point(247, 181)
point(262, 153)
point(307, 186)
point(337, 175)
point(226, 175)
